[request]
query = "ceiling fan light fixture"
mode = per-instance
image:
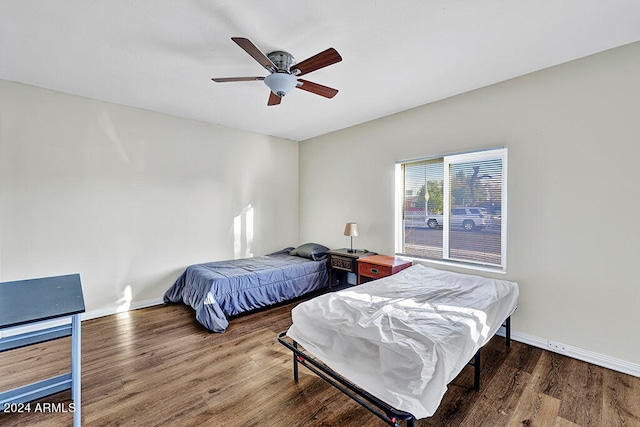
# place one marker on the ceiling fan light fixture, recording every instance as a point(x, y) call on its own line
point(280, 83)
point(284, 71)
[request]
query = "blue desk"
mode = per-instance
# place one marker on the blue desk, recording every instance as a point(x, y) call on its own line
point(32, 302)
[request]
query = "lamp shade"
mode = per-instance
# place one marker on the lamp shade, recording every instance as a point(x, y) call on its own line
point(280, 83)
point(351, 229)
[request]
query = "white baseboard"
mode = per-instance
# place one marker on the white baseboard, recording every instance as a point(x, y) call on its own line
point(134, 305)
point(545, 344)
point(575, 352)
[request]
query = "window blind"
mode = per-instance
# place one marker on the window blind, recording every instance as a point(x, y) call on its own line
point(453, 208)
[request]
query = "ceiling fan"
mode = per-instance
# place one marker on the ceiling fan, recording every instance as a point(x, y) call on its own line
point(284, 71)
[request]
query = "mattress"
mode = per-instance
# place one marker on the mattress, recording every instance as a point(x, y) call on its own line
point(226, 288)
point(403, 338)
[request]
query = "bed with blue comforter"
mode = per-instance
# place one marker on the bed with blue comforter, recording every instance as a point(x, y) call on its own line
point(226, 288)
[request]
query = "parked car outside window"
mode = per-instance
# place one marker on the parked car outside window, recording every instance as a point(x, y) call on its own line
point(462, 218)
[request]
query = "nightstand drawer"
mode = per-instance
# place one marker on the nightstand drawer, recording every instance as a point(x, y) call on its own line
point(343, 263)
point(374, 271)
point(378, 266)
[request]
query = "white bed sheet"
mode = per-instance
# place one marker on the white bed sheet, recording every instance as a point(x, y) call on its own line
point(403, 338)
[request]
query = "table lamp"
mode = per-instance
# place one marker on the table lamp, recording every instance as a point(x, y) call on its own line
point(351, 230)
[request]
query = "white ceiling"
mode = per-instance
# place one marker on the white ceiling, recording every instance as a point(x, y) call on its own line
point(161, 54)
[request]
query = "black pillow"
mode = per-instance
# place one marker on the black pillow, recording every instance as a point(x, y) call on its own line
point(312, 251)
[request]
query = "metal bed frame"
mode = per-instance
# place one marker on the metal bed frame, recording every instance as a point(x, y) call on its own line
point(382, 410)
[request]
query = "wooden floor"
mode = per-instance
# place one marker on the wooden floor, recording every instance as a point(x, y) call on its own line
point(159, 367)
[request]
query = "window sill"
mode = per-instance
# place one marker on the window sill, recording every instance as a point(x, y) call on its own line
point(460, 265)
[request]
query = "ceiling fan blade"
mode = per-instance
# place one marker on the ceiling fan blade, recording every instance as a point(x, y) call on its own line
point(318, 89)
point(273, 99)
point(235, 79)
point(321, 60)
point(255, 53)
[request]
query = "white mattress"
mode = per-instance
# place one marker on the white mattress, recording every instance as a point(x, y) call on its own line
point(403, 338)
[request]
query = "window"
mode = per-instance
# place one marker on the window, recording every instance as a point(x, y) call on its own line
point(453, 208)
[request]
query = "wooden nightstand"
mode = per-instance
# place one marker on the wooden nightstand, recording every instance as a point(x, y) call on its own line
point(377, 266)
point(344, 262)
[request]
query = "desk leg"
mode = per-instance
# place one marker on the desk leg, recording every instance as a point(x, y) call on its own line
point(76, 350)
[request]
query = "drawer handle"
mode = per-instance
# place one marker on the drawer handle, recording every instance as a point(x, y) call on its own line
point(374, 270)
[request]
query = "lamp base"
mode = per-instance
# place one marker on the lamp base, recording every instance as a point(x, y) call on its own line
point(352, 251)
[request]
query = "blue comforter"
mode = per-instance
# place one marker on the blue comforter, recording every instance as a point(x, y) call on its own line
point(225, 288)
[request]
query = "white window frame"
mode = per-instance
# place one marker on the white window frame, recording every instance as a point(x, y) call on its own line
point(448, 160)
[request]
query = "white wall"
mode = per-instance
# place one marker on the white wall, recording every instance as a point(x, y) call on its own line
point(128, 197)
point(573, 135)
